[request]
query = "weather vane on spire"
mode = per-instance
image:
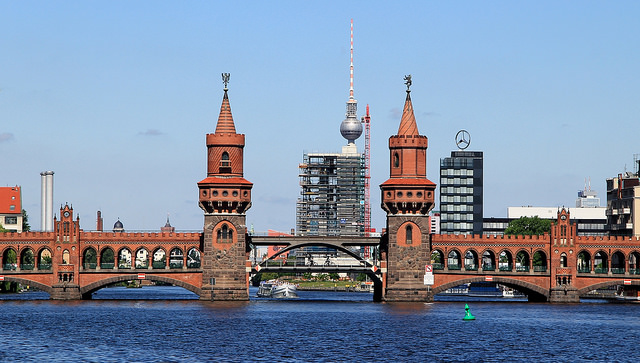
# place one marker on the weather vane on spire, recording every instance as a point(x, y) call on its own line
point(225, 79)
point(407, 81)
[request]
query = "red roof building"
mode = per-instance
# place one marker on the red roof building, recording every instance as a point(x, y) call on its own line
point(11, 208)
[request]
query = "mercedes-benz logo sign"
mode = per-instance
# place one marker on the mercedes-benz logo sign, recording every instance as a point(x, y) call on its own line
point(463, 139)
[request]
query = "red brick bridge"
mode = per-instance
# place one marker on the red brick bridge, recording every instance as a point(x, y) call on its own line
point(70, 263)
point(557, 267)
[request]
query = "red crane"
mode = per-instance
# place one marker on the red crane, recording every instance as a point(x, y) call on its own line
point(366, 120)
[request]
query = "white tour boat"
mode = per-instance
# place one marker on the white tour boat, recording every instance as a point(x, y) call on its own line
point(277, 289)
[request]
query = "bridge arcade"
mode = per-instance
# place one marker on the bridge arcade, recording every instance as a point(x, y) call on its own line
point(560, 266)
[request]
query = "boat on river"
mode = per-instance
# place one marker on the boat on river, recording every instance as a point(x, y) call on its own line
point(484, 289)
point(277, 289)
point(628, 295)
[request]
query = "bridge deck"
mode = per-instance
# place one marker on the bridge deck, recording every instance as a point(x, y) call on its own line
point(300, 240)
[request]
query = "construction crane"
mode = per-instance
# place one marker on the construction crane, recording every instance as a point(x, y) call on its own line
point(366, 120)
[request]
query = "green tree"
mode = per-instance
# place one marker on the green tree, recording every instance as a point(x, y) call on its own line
point(334, 276)
point(436, 257)
point(107, 256)
point(266, 276)
point(27, 257)
point(538, 259)
point(90, 256)
point(2, 229)
point(11, 256)
point(528, 226)
point(25, 221)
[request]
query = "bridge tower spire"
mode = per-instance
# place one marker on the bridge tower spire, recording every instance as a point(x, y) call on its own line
point(407, 198)
point(563, 243)
point(225, 196)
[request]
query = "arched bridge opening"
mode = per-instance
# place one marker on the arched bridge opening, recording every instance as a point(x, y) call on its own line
point(88, 290)
point(359, 265)
point(352, 264)
point(534, 292)
point(621, 289)
point(26, 282)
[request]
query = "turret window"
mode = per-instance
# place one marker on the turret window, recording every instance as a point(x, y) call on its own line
point(225, 163)
point(225, 234)
point(409, 237)
point(396, 160)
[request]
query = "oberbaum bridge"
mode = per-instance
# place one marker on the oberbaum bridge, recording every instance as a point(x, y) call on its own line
point(413, 265)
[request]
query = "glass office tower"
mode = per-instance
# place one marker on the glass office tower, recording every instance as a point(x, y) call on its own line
point(461, 193)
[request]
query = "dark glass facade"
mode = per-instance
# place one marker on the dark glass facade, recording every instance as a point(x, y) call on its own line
point(461, 193)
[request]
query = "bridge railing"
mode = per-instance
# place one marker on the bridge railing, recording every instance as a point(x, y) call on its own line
point(301, 264)
point(491, 268)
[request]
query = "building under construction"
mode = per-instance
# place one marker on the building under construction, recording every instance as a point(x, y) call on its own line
point(331, 201)
point(335, 186)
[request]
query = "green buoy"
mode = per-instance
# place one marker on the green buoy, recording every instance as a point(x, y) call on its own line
point(467, 313)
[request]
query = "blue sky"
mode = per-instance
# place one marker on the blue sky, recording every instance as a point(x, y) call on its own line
point(116, 97)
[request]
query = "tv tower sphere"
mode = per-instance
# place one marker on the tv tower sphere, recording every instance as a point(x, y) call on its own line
point(351, 129)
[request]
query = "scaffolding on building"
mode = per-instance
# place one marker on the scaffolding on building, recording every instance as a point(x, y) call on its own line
point(331, 201)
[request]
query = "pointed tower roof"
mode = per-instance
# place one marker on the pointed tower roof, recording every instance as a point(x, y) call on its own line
point(225, 119)
point(408, 125)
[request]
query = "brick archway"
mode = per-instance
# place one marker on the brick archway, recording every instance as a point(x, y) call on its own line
point(534, 292)
point(87, 290)
point(23, 281)
point(599, 285)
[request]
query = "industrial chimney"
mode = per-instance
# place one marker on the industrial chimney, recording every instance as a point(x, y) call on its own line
point(46, 213)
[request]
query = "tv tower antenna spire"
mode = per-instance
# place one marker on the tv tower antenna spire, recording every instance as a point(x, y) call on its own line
point(350, 128)
point(351, 66)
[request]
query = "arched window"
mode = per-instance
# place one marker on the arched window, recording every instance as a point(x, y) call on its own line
point(563, 260)
point(396, 160)
point(409, 234)
point(225, 163)
point(225, 234)
point(65, 257)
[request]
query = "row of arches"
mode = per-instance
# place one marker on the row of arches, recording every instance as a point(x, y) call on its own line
point(141, 259)
point(601, 263)
point(27, 259)
point(489, 261)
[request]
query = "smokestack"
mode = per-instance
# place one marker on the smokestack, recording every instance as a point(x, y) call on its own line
point(46, 213)
point(43, 201)
point(99, 222)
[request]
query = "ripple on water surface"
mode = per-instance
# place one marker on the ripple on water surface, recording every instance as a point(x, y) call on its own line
point(319, 326)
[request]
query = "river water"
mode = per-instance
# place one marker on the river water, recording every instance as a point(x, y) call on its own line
point(319, 326)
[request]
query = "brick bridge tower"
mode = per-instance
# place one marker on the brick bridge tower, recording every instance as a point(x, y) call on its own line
point(225, 196)
point(66, 258)
point(563, 260)
point(407, 197)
